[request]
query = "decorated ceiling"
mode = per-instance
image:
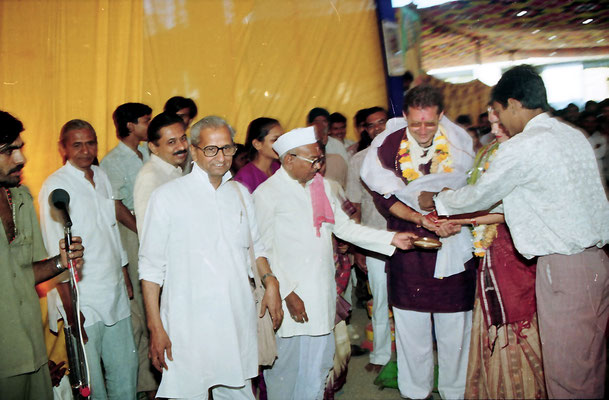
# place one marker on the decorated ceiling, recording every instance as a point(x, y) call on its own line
point(477, 31)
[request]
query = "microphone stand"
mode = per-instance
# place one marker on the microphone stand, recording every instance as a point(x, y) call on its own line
point(75, 346)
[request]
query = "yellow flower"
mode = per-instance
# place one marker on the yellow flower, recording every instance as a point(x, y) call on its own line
point(441, 157)
point(442, 147)
point(478, 244)
point(448, 169)
point(410, 174)
point(479, 253)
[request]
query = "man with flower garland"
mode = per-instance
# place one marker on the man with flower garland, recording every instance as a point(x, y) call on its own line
point(430, 152)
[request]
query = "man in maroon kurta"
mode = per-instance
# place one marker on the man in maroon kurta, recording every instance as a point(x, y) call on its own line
point(415, 294)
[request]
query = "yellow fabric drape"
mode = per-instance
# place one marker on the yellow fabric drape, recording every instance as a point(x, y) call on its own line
point(61, 60)
point(239, 59)
point(245, 59)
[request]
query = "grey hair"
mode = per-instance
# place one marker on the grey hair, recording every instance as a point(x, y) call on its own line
point(211, 121)
point(74, 125)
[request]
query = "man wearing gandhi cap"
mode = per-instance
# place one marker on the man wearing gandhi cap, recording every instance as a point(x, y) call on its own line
point(297, 215)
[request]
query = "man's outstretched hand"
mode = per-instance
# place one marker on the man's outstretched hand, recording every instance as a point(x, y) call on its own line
point(404, 240)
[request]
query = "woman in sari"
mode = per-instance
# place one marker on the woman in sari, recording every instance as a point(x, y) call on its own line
point(505, 352)
point(261, 134)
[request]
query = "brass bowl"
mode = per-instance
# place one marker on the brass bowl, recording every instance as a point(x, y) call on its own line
point(427, 243)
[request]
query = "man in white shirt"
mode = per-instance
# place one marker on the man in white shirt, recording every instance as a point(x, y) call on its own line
point(338, 130)
point(195, 241)
point(103, 294)
point(297, 215)
point(373, 264)
point(554, 204)
point(122, 165)
point(168, 146)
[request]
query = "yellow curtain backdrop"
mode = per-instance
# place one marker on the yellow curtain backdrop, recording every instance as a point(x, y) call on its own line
point(239, 59)
point(61, 60)
point(279, 58)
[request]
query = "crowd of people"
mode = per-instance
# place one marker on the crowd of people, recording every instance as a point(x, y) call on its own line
point(488, 250)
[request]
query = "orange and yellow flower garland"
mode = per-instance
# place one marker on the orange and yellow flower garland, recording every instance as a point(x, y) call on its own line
point(441, 161)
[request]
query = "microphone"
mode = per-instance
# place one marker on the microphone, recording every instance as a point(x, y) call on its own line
point(60, 199)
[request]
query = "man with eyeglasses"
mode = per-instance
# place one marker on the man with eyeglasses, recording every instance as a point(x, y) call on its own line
point(194, 243)
point(297, 215)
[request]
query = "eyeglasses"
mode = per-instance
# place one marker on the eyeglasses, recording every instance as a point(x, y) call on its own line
point(314, 163)
point(211, 151)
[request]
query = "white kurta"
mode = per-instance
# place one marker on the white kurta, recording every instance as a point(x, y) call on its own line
point(103, 294)
point(303, 262)
point(153, 174)
point(195, 244)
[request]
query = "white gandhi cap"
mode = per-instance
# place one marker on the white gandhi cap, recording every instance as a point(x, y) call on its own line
point(294, 138)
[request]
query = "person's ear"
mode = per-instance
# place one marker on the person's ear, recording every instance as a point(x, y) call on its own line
point(257, 144)
point(153, 148)
point(193, 152)
point(514, 104)
point(62, 150)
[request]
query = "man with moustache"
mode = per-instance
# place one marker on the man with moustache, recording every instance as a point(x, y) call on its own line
point(195, 241)
point(186, 109)
point(168, 147)
point(103, 293)
point(297, 214)
point(122, 165)
point(24, 373)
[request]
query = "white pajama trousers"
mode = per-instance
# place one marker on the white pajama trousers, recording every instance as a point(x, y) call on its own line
point(377, 277)
point(301, 368)
point(228, 393)
point(414, 347)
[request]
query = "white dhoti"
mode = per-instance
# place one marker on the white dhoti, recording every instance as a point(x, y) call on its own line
point(301, 368)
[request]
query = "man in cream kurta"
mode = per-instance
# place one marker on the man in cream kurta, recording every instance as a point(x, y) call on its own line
point(168, 145)
point(301, 257)
point(195, 244)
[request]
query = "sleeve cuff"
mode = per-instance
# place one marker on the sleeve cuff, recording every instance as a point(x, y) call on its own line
point(440, 207)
